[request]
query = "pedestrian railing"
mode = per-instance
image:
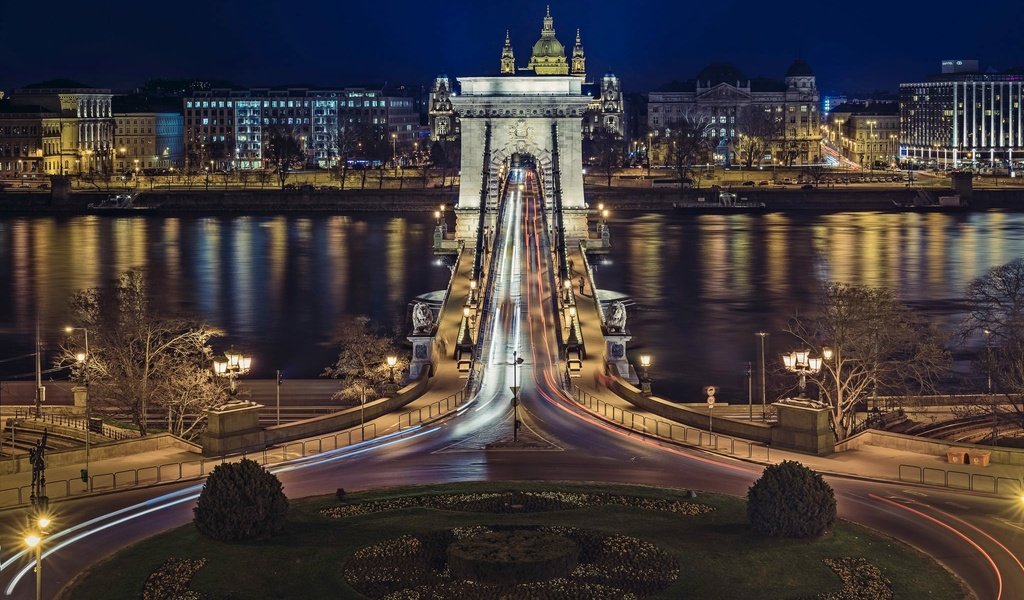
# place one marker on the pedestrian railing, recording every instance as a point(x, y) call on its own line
point(73, 422)
point(961, 480)
point(418, 416)
point(181, 471)
point(669, 430)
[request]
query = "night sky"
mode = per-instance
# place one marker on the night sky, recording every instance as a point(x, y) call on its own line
point(854, 47)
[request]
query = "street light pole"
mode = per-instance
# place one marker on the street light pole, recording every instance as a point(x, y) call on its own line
point(83, 359)
point(764, 392)
point(750, 391)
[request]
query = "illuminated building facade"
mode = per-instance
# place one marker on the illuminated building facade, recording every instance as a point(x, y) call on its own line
point(866, 133)
point(236, 122)
point(75, 129)
point(964, 118)
point(720, 93)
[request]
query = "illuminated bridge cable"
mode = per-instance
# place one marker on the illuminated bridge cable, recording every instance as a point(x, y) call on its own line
point(556, 178)
point(485, 178)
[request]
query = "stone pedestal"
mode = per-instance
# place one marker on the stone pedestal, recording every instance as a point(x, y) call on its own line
point(615, 355)
point(422, 355)
point(233, 427)
point(803, 426)
point(80, 393)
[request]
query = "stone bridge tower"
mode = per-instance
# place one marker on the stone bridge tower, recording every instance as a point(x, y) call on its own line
point(538, 112)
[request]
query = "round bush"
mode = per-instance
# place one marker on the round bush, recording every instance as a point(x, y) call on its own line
point(240, 501)
point(790, 500)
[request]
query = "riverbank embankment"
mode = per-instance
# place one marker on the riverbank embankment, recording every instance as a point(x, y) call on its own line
point(426, 200)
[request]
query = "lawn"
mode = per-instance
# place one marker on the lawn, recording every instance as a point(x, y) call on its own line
point(718, 557)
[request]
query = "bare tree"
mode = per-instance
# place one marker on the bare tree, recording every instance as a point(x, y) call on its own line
point(606, 150)
point(757, 127)
point(363, 351)
point(815, 173)
point(687, 143)
point(282, 149)
point(996, 312)
point(137, 355)
point(877, 343)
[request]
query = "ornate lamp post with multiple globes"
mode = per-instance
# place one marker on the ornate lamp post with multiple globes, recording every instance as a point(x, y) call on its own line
point(803, 364)
point(237, 364)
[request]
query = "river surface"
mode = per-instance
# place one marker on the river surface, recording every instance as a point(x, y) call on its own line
point(702, 284)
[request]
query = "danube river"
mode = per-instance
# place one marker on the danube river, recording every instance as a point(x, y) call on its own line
point(702, 284)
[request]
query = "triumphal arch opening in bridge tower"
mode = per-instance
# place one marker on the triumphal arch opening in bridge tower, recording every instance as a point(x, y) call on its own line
point(535, 112)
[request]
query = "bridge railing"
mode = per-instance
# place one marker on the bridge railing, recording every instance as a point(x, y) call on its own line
point(669, 430)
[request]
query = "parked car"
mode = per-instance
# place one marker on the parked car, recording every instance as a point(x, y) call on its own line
point(807, 186)
point(763, 182)
point(748, 183)
point(288, 186)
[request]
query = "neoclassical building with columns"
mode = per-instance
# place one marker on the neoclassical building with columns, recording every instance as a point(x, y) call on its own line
point(76, 124)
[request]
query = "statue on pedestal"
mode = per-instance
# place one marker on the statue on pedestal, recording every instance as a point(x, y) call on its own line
point(616, 319)
point(422, 318)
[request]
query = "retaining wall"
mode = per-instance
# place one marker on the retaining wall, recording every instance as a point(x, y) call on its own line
point(63, 458)
point(347, 418)
point(758, 432)
point(921, 445)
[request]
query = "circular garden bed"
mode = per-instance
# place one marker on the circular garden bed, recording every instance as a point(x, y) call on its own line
point(537, 540)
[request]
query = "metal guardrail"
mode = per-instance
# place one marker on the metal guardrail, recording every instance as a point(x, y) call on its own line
point(961, 480)
point(668, 430)
point(72, 422)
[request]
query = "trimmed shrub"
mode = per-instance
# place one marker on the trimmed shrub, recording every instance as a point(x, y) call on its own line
point(240, 501)
point(790, 500)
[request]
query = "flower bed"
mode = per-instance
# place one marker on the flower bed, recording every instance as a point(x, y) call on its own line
point(608, 566)
point(516, 502)
point(171, 581)
point(861, 580)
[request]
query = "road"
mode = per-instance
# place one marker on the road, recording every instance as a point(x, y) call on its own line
point(977, 537)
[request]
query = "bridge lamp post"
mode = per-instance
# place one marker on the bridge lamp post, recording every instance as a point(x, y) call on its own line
point(472, 291)
point(468, 314)
point(567, 285)
point(801, 363)
point(645, 377)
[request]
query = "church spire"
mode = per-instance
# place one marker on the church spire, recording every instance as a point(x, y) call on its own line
point(508, 58)
point(579, 60)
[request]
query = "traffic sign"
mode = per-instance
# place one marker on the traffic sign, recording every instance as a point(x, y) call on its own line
point(710, 390)
point(515, 389)
point(515, 401)
point(711, 400)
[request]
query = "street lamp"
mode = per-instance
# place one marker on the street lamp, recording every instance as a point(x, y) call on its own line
point(650, 140)
point(764, 392)
point(236, 364)
point(472, 291)
point(567, 284)
point(645, 378)
point(82, 358)
point(988, 356)
point(34, 541)
point(392, 361)
point(516, 361)
point(803, 364)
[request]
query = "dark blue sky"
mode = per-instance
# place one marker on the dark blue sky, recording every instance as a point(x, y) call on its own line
point(856, 46)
